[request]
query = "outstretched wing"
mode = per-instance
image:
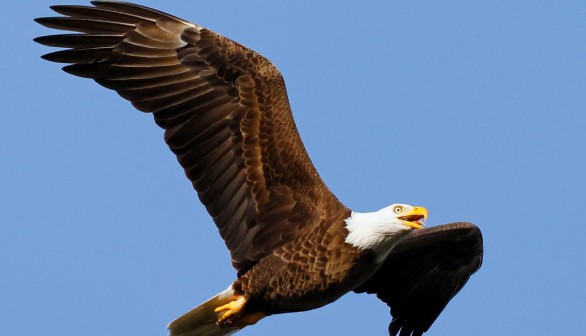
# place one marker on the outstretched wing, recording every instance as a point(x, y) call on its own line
point(224, 109)
point(424, 272)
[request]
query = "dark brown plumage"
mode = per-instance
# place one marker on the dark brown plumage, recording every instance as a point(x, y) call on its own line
point(227, 118)
point(433, 264)
point(224, 109)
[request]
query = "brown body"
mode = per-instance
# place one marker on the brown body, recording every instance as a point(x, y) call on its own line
point(309, 272)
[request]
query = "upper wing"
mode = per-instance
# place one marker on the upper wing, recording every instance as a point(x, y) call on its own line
point(224, 109)
point(424, 272)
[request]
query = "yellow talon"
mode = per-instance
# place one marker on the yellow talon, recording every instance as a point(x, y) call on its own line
point(231, 311)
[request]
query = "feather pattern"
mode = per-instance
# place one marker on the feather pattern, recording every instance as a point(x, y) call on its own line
point(224, 109)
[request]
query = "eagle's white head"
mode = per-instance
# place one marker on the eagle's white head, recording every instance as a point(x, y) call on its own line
point(380, 231)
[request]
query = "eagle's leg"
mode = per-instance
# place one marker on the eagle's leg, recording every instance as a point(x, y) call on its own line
point(234, 315)
point(231, 310)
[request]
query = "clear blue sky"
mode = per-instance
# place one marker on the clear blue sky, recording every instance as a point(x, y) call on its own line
point(473, 109)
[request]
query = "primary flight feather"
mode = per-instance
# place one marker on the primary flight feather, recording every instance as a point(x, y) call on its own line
point(226, 116)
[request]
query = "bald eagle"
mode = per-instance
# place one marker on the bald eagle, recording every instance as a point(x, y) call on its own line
point(226, 116)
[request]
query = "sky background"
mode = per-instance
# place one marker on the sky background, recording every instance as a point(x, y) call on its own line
point(473, 109)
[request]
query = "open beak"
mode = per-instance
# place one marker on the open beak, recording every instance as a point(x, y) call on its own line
point(414, 218)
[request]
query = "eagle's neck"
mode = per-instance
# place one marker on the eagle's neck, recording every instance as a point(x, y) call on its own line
point(375, 231)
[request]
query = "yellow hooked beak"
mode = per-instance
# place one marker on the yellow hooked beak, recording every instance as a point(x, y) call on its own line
point(413, 218)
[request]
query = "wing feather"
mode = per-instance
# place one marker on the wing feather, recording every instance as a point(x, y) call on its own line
point(224, 109)
point(423, 273)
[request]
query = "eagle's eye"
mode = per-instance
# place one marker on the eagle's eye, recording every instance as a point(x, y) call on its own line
point(398, 209)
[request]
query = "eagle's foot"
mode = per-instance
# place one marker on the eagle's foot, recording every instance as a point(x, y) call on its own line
point(231, 311)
